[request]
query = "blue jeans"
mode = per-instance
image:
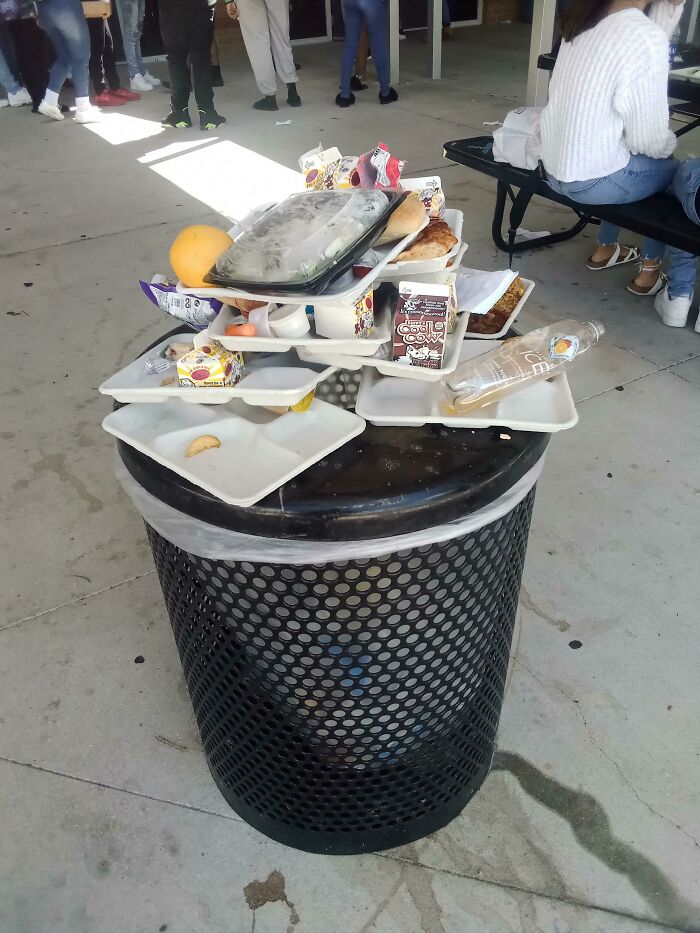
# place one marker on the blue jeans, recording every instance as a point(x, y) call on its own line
point(372, 12)
point(639, 179)
point(7, 79)
point(66, 26)
point(131, 13)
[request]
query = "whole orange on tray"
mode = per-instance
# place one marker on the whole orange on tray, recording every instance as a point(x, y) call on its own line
point(195, 250)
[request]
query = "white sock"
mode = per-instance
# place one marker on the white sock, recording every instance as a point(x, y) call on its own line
point(51, 98)
point(81, 104)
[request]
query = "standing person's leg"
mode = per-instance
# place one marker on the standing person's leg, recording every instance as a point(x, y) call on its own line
point(30, 47)
point(252, 15)
point(110, 64)
point(673, 304)
point(200, 59)
point(375, 17)
point(96, 27)
point(357, 82)
point(131, 13)
point(217, 79)
point(278, 22)
point(175, 31)
point(352, 19)
point(7, 79)
point(68, 19)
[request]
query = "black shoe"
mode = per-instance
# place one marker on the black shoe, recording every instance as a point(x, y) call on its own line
point(269, 102)
point(345, 101)
point(165, 84)
point(217, 79)
point(356, 84)
point(178, 120)
point(389, 98)
point(293, 98)
point(210, 119)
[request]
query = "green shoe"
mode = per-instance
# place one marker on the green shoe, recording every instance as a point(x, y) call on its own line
point(178, 119)
point(210, 119)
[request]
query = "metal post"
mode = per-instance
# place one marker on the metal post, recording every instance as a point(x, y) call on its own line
point(392, 28)
point(435, 39)
point(540, 42)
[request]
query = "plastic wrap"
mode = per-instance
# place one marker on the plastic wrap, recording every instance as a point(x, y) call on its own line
point(214, 543)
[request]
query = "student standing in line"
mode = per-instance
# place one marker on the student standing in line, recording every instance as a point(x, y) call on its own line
point(265, 29)
point(103, 67)
point(131, 14)
point(187, 28)
point(16, 94)
point(66, 27)
point(371, 13)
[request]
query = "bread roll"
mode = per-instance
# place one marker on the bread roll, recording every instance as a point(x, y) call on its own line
point(408, 217)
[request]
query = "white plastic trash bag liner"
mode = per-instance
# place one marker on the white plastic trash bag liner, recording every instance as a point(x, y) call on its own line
point(214, 543)
point(518, 141)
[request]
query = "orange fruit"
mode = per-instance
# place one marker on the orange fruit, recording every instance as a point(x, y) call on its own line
point(195, 250)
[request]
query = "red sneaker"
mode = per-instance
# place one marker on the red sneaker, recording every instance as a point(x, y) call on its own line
point(108, 99)
point(124, 94)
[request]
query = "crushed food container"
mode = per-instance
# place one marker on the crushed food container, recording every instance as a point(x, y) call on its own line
point(305, 242)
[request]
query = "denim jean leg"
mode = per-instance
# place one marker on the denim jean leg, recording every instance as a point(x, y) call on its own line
point(609, 234)
point(653, 249)
point(685, 186)
point(681, 273)
point(7, 79)
point(128, 12)
point(352, 20)
point(375, 17)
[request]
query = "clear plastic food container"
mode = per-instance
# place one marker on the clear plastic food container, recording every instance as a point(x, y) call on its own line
point(305, 242)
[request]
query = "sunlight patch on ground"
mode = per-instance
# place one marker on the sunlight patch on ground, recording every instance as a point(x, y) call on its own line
point(229, 178)
point(174, 149)
point(118, 128)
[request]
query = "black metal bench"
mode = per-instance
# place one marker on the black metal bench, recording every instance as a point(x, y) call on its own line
point(660, 217)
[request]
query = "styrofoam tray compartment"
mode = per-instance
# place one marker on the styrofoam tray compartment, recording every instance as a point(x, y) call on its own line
point(404, 270)
point(436, 277)
point(342, 290)
point(529, 285)
point(270, 380)
point(359, 346)
point(259, 451)
point(546, 406)
point(382, 362)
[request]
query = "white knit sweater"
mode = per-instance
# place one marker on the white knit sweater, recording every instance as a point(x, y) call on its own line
point(608, 95)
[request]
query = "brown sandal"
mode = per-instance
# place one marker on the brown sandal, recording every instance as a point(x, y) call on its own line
point(632, 255)
point(650, 290)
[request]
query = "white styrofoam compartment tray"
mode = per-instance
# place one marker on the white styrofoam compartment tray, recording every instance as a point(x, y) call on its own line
point(346, 289)
point(529, 285)
point(259, 451)
point(359, 346)
point(270, 380)
point(384, 364)
point(546, 406)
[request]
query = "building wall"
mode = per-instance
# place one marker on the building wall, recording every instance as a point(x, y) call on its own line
point(498, 11)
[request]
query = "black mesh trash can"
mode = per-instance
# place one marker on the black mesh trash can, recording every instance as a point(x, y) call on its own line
point(349, 703)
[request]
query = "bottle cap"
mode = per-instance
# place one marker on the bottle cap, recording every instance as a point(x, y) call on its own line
point(597, 327)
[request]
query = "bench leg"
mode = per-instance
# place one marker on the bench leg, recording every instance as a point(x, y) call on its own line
point(503, 191)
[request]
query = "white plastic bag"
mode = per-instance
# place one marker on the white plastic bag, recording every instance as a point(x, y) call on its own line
point(518, 141)
point(214, 543)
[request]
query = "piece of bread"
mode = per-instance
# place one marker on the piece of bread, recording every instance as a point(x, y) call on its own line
point(436, 240)
point(407, 218)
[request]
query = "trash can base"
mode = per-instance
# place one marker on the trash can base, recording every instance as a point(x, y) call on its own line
point(353, 843)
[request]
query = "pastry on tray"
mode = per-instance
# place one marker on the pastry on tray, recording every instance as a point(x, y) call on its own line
point(434, 241)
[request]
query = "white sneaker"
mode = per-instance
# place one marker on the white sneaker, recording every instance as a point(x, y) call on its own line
point(673, 311)
point(152, 80)
point(140, 84)
point(89, 115)
point(4, 103)
point(21, 98)
point(50, 110)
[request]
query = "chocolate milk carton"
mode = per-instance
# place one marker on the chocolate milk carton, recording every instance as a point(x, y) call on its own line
point(420, 324)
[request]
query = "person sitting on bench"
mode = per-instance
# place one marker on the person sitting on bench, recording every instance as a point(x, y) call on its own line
point(605, 131)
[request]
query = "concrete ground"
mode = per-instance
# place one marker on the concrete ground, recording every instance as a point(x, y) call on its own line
point(110, 820)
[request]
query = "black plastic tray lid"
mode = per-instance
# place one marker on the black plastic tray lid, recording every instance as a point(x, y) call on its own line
point(306, 241)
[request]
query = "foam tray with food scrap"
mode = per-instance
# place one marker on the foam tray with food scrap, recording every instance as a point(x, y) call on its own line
point(255, 452)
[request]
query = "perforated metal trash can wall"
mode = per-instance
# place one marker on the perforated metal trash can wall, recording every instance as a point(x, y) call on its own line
point(351, 706)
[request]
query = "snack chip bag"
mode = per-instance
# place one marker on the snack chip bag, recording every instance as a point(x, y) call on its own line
point(379, 168)
point(319, 167)
point(347, 175)
point(210, 366)
point(197, 312)
point(429, 191)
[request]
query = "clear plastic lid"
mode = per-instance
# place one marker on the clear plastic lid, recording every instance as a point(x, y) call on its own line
point(303, 237)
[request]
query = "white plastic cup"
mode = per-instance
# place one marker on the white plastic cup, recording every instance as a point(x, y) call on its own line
point(289, 321)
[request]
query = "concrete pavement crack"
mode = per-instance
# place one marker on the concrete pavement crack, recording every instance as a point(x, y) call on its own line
point(596, 744)
point(73, 602)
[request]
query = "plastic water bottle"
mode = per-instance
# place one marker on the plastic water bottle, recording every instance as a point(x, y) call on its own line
point(673, 45)
point(517, 363)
